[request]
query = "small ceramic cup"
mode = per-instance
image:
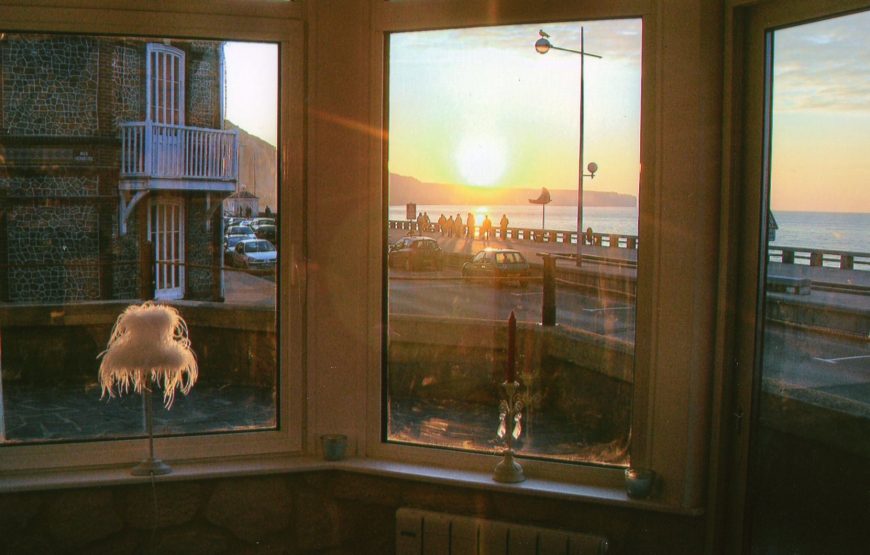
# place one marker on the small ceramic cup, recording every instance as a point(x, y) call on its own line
point(334, 446)
point(639, 482)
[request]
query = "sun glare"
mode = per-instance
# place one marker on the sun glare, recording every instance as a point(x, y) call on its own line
point(481, 160)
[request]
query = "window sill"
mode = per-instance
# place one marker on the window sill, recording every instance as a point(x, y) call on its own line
point(202, 470)
point(552, 489)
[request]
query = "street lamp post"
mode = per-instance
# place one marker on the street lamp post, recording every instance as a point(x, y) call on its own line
point(542, 46)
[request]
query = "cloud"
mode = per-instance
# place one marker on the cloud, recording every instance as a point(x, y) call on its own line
point(617, 40)
point(823, 66)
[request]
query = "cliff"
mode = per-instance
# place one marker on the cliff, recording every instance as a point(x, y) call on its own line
point(258, 167)
point(404, 189)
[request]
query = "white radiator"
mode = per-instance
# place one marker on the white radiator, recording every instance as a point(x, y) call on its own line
point(429, 533)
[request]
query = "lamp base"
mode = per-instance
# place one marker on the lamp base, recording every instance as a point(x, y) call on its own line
point(150, 467)
point(508, 470)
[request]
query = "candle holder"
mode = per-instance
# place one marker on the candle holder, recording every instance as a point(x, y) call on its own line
point(510, 416)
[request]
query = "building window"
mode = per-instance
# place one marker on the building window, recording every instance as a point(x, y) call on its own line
point(485, 143)
point(117, 165)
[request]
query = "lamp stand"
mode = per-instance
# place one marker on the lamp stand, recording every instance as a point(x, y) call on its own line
point(150, 466)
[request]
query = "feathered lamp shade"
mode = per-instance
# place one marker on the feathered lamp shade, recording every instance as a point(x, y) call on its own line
point(149, 344)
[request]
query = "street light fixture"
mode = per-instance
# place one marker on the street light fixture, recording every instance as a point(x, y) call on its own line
point(542, 46)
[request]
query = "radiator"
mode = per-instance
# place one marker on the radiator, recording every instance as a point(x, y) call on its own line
point(428, 533)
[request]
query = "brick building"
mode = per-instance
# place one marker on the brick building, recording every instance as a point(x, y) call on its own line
point(113, 167)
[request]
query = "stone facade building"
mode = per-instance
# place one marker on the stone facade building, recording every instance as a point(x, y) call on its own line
point(113, 167)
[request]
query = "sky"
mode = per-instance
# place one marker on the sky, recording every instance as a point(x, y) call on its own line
point(481, 107)
point(821, 116)
point(252, 88)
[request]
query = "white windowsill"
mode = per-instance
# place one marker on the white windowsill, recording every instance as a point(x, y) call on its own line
point(202, 470)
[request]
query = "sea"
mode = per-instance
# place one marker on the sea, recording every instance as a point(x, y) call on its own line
point(835, 231)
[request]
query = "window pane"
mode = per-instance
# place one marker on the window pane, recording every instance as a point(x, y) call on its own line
point(812, 441)
point(124, 159)
point(483, 167)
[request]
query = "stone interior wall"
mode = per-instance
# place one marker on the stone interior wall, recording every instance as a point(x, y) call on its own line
point(310, 513)
point(49, 85)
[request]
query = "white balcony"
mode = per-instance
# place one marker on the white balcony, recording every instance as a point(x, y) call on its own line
point(174, 157)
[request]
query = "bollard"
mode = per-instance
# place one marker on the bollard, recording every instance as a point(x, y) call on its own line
point(548, 305)
point(146, 271)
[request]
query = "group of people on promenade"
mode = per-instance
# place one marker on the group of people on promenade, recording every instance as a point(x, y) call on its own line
point(455, 227)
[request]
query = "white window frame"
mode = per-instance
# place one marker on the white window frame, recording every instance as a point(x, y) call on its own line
point(166, 233)
point(224, 20)
point(674, 339)
point(171, 110)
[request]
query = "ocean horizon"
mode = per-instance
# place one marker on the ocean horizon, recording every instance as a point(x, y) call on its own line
point(835, 231)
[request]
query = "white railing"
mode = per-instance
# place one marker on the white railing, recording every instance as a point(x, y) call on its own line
point(173, 151)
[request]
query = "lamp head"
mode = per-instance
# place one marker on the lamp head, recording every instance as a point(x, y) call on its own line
point(592, 167)
point(542, 45)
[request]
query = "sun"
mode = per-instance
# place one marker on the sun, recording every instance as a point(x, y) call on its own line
point(481, 160)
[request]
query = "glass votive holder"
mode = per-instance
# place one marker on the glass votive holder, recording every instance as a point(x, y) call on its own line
point(334, 446)
point(639, 482)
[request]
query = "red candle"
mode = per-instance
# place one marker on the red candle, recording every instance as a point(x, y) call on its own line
point(510, 368)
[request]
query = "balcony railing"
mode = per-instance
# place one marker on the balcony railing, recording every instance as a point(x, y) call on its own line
point(153, 150)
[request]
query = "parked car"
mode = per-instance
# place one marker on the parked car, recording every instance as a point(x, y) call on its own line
point(255, 254)
point(414, 253)
point(498, 263)
point(267, 232)
point(242, 230)
point(230, 246)
point(257, 222)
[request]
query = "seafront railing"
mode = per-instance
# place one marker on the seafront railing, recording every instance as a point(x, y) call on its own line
point(799, 256)
point(820, 258)
point(536, 235)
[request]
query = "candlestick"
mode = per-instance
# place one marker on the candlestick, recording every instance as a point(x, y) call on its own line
point(509, 428)
point(510, 368)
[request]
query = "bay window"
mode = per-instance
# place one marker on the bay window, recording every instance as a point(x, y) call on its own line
point(354, 339)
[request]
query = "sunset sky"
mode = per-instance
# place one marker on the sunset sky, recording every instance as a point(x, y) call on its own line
point(481, 107)
point(821, 116)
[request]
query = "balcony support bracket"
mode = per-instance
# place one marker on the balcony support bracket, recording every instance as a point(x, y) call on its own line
point(127, 207)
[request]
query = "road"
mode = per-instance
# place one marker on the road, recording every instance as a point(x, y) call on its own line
point(446, 294)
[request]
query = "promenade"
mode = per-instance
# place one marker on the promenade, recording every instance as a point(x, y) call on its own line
point(832, 286)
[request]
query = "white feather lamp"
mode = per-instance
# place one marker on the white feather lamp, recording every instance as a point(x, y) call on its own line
point(149, 344)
